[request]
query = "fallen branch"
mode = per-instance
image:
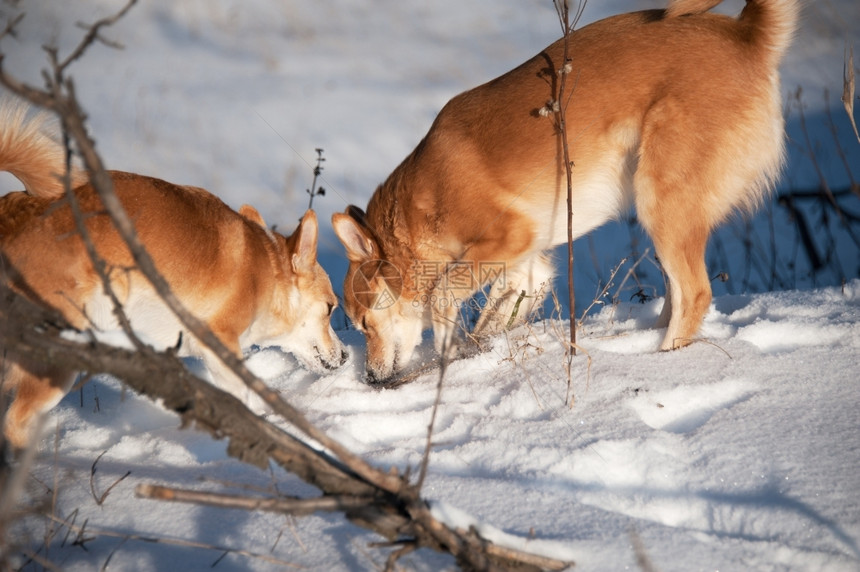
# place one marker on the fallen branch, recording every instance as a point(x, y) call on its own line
point(36, 332)
point(285, 505)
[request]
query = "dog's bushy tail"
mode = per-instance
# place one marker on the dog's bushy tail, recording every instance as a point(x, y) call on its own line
point(686, 7)
point(771, 23)
point(29, 149)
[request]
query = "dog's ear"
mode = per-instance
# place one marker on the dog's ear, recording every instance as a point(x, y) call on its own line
point(252, 214)
point(357, 214)
point(305, 255)
point(354, 236)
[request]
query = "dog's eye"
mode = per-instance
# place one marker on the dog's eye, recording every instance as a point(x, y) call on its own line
point(364, 324)
point(330, 308)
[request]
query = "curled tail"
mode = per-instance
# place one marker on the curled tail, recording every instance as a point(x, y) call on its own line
point(686, 7)
point(30, 151)
point(772, 23)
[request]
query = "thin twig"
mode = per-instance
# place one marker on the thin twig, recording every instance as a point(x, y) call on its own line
point(405, 548)
point(642, 559)
point(92, 36)
point(563, 11)
point(98, 263)
point(100, 499)
point(602, 293)
point(631, 271)
point(286, 505)
point(9, 30)
point(425, 458)
point(314, 190)
point(848, 88)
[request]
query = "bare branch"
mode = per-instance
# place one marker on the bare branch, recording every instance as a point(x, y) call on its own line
point(563, 11)
point(9, 30)
point(92, 36)
point(603, 292)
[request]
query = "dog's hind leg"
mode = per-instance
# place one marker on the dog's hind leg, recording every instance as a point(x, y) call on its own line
point(38, 388)
point(515, 294)
point(666, 313)
point(688, 291)
point(677, 191)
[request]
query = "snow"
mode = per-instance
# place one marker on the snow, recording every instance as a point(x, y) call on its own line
point(738, 453)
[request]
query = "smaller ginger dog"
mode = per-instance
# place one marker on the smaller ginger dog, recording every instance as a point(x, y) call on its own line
point(249, 284)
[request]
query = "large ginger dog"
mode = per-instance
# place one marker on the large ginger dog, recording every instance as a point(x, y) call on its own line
point(249, 284)
point(675, 111)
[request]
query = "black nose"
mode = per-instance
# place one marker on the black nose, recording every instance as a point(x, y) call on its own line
point(336, 363)
point(371, 379)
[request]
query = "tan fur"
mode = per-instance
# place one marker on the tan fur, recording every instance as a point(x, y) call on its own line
point(677, 112)
point(31, 152)
point(249, 284)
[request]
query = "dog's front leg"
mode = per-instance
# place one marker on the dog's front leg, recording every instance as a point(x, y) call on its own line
point(223, 378)
point(515, 295)
point(445, 313)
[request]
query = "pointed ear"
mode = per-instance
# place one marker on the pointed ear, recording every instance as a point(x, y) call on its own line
point(356, 213)
point(358, 244)
point(252, 215)
point(305, 256)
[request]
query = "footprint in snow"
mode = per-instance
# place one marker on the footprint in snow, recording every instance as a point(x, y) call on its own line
point(685, 409)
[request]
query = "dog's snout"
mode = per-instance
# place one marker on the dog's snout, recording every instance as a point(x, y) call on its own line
point(339, 361)
point(334, 362)
point(376, 376)
point(371, 378)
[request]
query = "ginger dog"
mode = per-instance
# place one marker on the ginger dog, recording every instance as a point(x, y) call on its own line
point(249, 284)
point(676, 112)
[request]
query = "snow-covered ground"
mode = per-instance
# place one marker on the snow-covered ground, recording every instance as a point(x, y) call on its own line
point(738, 454)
